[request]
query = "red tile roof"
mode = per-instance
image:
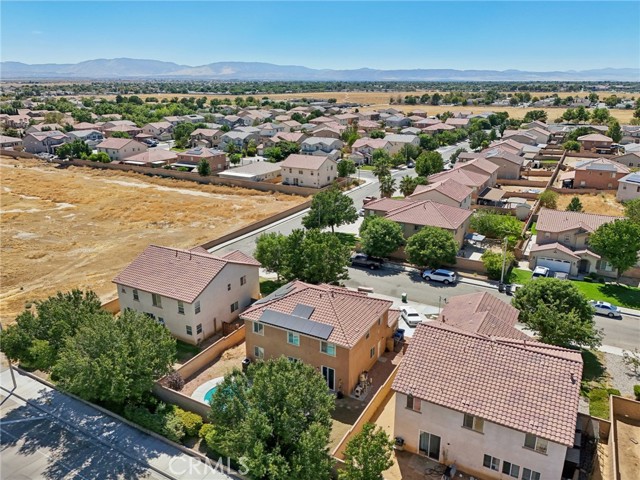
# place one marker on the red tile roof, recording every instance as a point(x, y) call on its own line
point(559, 221)
point(595, 137)
point(385, 204)
point(448, 187)
point(554, 246)
point(310, 162)
point(115, 143)
point(174, 272)
point(350, 313)
point(522, 385)
point(462, 175)
point(428, 213)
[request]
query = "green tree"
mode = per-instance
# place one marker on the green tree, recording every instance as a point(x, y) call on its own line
point(454, 156)
point(428, 142)
point(36, 339)
point(75, 149)
point(477, 139)
point(380, 237)
point(235, 158)
point(204, 169)
point(271, 249)
point(274, 154)
point(120, 135)
point(495, 225)
point(381, 163)
point(575, 205)
point(432, 247)
point(387, 186)
point(325, 258)
point(429, 163)
point(632, 210)
point(252, 149)
point(558, 312)
point(53, 117)
point(532, 115)
point(618, 242)
point(600, 116)
point(493, 261)
point(549, 199)
point(277, 418)
point(99, 157)
point(330, 208)
point(346, 167)
point(181, 134)
point(408, 185)
point(368, 454)
point(115, 359)
point(376, 134)
point(571, 145)
point(615, 131)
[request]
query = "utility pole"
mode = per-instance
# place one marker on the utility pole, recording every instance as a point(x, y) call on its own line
point(504, 258)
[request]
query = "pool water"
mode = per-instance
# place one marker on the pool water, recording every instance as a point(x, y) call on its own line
point(209, 394)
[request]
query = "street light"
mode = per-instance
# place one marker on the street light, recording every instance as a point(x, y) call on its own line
point(504, 258)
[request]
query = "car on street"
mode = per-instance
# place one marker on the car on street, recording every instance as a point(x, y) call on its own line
point(440, 275)
point(361, 212)
point(363, 260)
point(605, 308)
point(411, 316)
point(540, 272)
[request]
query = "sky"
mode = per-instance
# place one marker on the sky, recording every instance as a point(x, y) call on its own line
point(523, 35)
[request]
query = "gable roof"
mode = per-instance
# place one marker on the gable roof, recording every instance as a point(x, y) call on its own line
point(428, 213)
point(480, 163)
point(115, 143)
point(350, 313)
point(508, 156)
point(311, 162)
point(559, 221)
point(522, 385)
point(461, 175)
point(385, 204)
point(595, 137)
point(633, 177)
point(602, 164)
point(174, 272)
point(448, 187)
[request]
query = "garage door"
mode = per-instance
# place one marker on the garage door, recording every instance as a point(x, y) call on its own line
point(554, 264)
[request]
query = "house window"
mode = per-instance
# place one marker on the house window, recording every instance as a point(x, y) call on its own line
point(380, 321)
point(243, 280)
point(429, 444)
point(511, 469)
point(368, 334)
point(372, 352)
point(123, 290)
point(414, 403)
point(156, 300)
point(234, 307)
point(293, 339)
point(293, 359)
point(228, 287)
point(150, 315)
point(136, 297)
point(300, 172)
point(547, 234)
point(189, 330)
point(566, 238)
point(530, 474)
point(258, 328)
point(197, 307)
point(199, 329)
point(491, 462)
point(312, 174)
point(535, 443)
point(258, 352)
point(328, 348)
point(328, 178)
point(161, 320)
point(472, 422)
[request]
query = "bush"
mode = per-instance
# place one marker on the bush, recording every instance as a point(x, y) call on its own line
point(492, 261)
point(174, 428)
point(208, 434)
point(175, 381)
point(495, 225)
point(205, 429)
point(192, 422)
point(549, 199)
point(636, 391)
point(164, 421)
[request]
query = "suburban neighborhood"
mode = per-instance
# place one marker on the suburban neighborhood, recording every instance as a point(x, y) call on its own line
point(261, 271)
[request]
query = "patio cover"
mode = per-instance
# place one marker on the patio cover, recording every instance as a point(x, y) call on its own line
point(491, 194)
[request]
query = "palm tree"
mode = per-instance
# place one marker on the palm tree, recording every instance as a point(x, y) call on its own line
point(387, 186)
point(407, 185)
point(382, 168)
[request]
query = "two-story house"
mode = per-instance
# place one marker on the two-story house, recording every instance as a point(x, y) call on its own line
point(239, 139)
point(314, 171)
point(629, 187)
point(121, 148)
point(499, 408)
point(340, 332)
point(191, 292)
point(159, 130)
point(205, 137)
point(90, 137)
point(467, 175)
point(599, 173)
point(509, 165)
point(216, 159)
point(447, 192)
point(320, 146)
point(398, 140)
point(44, 142)
point(596, 142)
point(366, 146)
point(562, 242)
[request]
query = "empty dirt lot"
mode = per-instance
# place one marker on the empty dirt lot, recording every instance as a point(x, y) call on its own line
point(78, 227)
point(600, 203)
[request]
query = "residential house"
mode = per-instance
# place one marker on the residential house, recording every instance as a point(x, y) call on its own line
point(205, 137)
point(426, 122)
point(462, 122)
point(509, 165)
point(320, 146)
point(192, 118)
point(631, 160)
point(535, 124)
point(10, 143)
point(418, 113)
point(291, 125)
point(541, 135)
point(397, 121)
point(239, 139)
point(412, 216)
point(347, 118)
point(411, 131)
point(132, 131)
point(314, 171)
point(397, 141)
point(596, 142)
point(510, 145)
point(254, 172)
point(159, 130)
point(562, 243)
point(16, 121)
point(366, 146)
point(470, 177)
point(480, 165)
point(629, 187)
point(191, 292)
point(368, 126)
point(447, 192)
point(118, 123)
point(173, 120)
point(90, 137)
point(268, 130)
point(88, 126)
point(438, 128)
point(520, 136)
point(156, 157)
point(496, 419)
point(599, 173)
point(121, 148)
point(321, 120)
point(326, 131)
point(44, 142)
point(339, 332)
point(216, 159)
point(630, 134)
point(43, 127)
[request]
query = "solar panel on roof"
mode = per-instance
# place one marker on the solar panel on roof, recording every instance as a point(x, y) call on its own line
point(296, 324)
point(303, 311)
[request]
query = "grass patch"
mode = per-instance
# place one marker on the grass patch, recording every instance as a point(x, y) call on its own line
point(519, 275)
point(268, 286)
point(599, 401)
point(185, 351)
point(534, 231)
point(348, 239)
point(367, 167)
point(177, 149)
point(621, 295)
point(593, 370)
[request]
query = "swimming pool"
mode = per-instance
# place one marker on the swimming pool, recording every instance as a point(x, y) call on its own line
point(209, 395)
point(204, 393)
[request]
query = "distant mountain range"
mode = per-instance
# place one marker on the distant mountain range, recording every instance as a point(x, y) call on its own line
point(130, 69)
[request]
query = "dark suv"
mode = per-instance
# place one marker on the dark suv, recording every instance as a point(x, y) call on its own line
point(363, 260)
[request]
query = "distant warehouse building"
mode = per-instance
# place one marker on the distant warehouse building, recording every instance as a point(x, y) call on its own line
point(254, 172)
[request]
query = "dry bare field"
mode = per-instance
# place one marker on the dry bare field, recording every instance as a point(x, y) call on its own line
point(601, 203)
point(78, 227)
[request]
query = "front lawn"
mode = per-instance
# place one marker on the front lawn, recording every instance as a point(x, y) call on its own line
point(620, 295)
point(348, 239)
point(367, 167)
point(519, 276)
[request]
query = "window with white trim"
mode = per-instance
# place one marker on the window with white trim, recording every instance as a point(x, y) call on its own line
point(414, 403)
point(258, 328)
point(490, 462)
point(511, 469)
point(293, 338)
point(473, 423)
point(530, 474)
point(197, 307)
point(535, 443)
point(136, 297)
point(180, 307)
point(156, 300)
point(243, 280)
point(372, 352)
point(328, 348)
point(234, 307)
point(258, 352)
point(189, 330)
point(161, 320)
point(199, 329)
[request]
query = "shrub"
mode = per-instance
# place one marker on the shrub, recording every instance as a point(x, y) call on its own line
point(174, 428)
point(492, 261)
point(175, 381)
point(192, 422)
point(636, 391)
point(205, 429)
point(164, 421)
point(208, 434)
point(549, 199)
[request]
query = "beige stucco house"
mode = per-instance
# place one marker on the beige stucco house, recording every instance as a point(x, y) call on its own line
point(314, 171)
point(121, 148)
point(629, 187)
point(447, 192)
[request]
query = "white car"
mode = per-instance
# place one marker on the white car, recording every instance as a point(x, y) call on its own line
point(411, 316)
point(605, 308)
point(540, 272)
point(440, 275)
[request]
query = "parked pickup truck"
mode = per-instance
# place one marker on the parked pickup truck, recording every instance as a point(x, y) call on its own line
point(362, 260)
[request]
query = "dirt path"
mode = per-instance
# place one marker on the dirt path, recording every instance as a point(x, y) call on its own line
point(77, 227)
